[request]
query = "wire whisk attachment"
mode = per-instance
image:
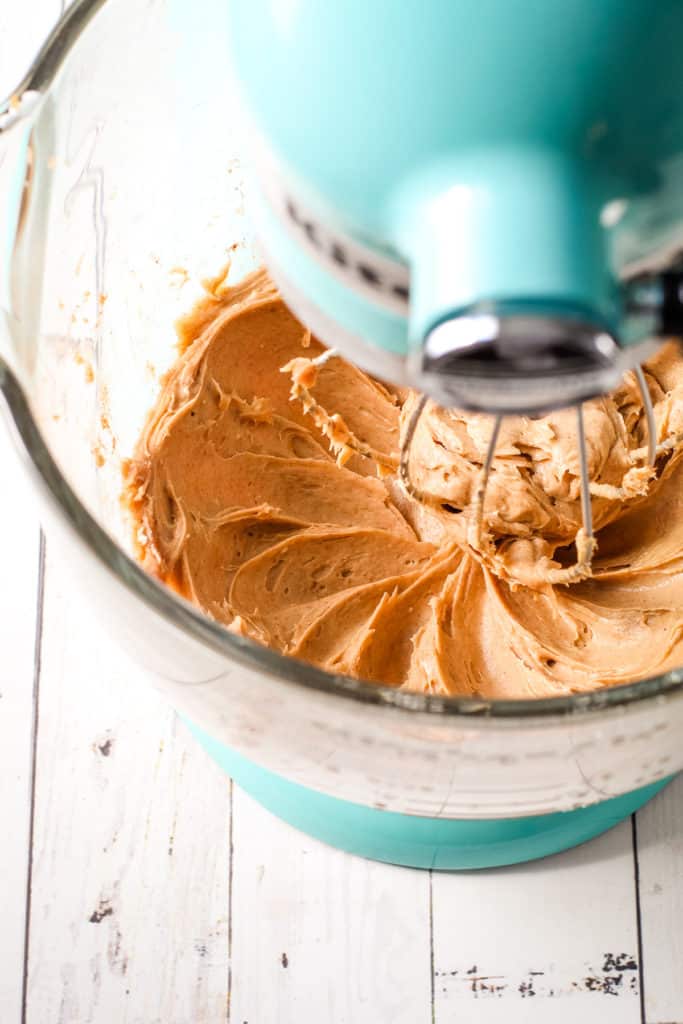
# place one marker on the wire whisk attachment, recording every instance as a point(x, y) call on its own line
point(344, 443)
point(585, 541)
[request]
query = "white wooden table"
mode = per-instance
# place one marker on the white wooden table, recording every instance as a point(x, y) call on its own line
point(138, 886)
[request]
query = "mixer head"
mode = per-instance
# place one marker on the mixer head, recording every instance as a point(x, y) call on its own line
point(489, 210)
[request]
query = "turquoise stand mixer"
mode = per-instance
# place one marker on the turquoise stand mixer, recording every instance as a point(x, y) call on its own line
point(473, 200)
point(484, 202)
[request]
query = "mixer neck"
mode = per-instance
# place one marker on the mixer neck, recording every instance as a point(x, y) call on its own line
point(514, 306)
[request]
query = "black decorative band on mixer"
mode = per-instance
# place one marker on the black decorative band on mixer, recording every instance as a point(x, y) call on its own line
point(377, 277)
point(344, 254)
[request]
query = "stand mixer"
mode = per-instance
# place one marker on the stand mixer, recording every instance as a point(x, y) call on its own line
point(482, 201)
point(487, 209)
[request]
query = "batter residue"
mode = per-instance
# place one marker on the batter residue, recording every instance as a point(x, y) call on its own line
point(270, 499)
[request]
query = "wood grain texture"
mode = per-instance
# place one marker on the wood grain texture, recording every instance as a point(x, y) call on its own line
point(19, 608)
point(129, 893)
point(552, 941)
point(659, 829)
point(322, 937)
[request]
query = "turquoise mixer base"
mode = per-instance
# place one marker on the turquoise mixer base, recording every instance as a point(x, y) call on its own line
point(422, 842)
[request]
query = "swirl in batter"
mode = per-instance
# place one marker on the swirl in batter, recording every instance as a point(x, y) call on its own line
point(270, 499)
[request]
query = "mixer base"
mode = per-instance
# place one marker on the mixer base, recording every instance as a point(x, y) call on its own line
point(442, 844)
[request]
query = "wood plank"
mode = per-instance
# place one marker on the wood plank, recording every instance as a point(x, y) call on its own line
point(321, 936)
point(19, 603)
point(555, 940)
point(659, 829)
point(129, 908)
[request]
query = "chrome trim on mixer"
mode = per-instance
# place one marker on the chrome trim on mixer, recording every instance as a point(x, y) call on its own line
point(504, 361)
point(487, 392)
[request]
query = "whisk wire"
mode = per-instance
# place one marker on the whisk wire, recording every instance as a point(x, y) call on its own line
point(585, 539)
point(586, 506)
point(491, 450)
point(477, 507)
point(649, 415)
point(404, 462)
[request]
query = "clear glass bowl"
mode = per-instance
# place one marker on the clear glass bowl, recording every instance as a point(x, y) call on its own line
point(120, 188)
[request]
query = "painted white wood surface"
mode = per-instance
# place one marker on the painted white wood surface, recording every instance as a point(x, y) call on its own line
point(321, 936)
point(129, 909)
point(140, 914)
point(659, 829)
point(556, 940)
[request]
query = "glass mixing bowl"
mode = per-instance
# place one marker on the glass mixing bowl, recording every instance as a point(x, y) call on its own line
point(120, 189)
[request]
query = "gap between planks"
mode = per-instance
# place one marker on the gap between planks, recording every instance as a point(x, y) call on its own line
point(35, 719)
point(18, 618)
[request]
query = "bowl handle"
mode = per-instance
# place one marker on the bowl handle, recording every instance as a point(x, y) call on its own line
point(15, 175)
point(17, 114)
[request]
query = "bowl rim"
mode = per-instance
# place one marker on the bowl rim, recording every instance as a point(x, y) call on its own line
point(49, 479)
